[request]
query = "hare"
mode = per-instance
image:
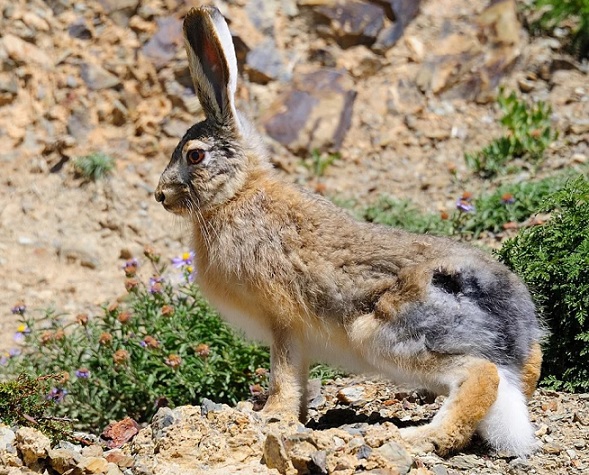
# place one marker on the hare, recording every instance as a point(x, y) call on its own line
point(291, 269)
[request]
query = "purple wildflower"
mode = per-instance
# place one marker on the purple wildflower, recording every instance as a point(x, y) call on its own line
point(21, 332)
point(19, 309)
point(130, 267)
point(155, 285)
point(6, 355)
point(185, 260)
point(507, 199)
point(82, 373)
point(464, 206)
point(56, 394)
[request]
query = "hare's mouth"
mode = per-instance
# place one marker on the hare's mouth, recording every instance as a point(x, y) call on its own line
point(176, 208)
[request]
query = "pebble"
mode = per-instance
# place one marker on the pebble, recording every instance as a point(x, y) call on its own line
point(552, 448)
point(439, 470)
point(98, 78)
point(579, 443)
point(7, 437)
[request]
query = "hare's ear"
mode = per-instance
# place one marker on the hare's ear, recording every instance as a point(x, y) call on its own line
point(213, 65)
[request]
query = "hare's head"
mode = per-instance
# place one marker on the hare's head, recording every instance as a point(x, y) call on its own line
point(209, 164)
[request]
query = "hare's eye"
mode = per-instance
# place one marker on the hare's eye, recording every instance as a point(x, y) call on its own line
point(195, 156)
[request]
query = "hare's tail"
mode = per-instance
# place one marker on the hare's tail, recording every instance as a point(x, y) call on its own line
point(507, 427)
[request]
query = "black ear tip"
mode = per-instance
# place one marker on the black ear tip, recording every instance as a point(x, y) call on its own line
point(200, 19)
point(196, 14)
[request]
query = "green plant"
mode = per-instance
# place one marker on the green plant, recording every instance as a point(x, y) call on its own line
point(403, 214)
point(529, 134)
point(94, 166)
point(319, 162)
point(24, 402)
point(555, 13)
point(162, 345)
point(509, 204)
point(553, 259)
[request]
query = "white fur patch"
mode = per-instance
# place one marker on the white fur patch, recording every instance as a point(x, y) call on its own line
point(507, 427)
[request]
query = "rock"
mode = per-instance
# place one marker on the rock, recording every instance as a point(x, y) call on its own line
point(175, 128)
point(118, 433)
point(262, 14)
point(221, 438)
point(7, 438)
point(163, 418)
point(470, 63)
point(403, 11)
point(62, 460)
point(8, 88)
point(439, 470)
point(92, 465)
point(32, 445)
point(113, 469)
point(264, 63)
point(118, 457)
point(82, 254)
point(552, 448)
point(525, 85)
point(92, 451)
point(314, 114)
point(24, 52)
point(466, 462)
point(275, 455)
point(79, 29)
point(396, 455)
point(120, 10)
point(97, 78)
point(79, 123)
point(356, 395)
point(352, 23)
point(579, 126)
point(210, 406)
point(162, 47)
point(359, 61)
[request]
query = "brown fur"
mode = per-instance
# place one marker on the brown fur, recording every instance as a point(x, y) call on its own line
point(456, 423)
point(531, 370)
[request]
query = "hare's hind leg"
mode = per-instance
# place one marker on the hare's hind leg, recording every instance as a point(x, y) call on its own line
point(472, 386)
point(531, 370)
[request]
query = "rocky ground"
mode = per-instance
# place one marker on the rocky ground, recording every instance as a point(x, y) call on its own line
point(399, 92)
point(353, 430)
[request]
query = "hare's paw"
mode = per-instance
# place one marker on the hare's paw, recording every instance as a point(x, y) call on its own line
point(420, 438)
point(278, 413)
point(436, 438)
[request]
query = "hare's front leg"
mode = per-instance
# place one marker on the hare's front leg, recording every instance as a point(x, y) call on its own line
point(288, 377)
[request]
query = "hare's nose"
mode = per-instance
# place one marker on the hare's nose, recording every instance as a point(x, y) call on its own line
point(160, 197)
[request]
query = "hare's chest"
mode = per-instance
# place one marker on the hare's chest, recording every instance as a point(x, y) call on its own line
point(237, 308)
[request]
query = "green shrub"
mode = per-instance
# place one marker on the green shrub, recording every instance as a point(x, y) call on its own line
point(94, 166)
point(162, 345)
point(512, 203)
point(24, 401)
point(529, 134)
point(490, 212)
point(553, 259)
point(554, 13)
